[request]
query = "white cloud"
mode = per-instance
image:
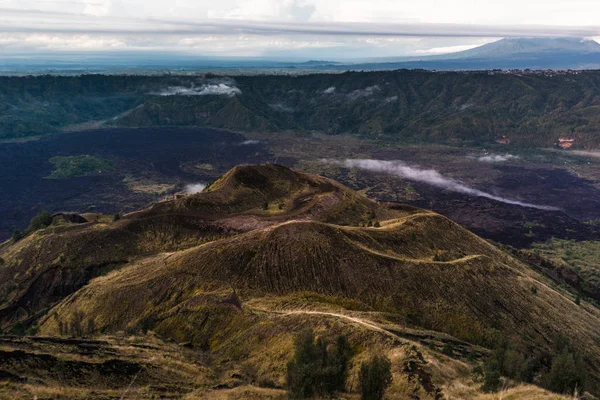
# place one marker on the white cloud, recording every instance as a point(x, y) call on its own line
point(281, 108)
point(220, 89)
point(286, 10)
point(97, 8)
point(333, 28)
point(494, 158)
point(447, 49)
point(508, 12)
point(366, 92)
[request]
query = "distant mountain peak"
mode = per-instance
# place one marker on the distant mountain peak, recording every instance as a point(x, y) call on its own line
point(511, 47)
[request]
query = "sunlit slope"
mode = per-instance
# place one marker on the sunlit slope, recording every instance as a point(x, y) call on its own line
point(478, 294)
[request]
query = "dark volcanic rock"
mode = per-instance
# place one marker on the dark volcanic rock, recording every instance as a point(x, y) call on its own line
point(156, 154)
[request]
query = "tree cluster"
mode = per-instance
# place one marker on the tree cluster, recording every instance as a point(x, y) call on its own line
point(318, 367)
point(563, 371)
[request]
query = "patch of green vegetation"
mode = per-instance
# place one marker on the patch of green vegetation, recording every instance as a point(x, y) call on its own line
point(583, 256)
point(562, 370)
point(532, 224)
point(40, 221)
point(74, 166)
point(318, 368)
point(579, 260)
point(410, 193)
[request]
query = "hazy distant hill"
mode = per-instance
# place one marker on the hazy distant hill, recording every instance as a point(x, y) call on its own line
point(514, 47)
point(509, 53)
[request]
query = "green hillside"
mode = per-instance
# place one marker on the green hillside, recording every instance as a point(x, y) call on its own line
point(530, 108)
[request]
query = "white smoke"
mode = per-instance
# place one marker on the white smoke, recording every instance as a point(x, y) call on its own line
point(366, 92)
point(432, 177)
point(281, 108)
point(492, 158)
point(583, 153)
point(329, 90)
point(249, 142)
point(194, 188)
point(220, 89)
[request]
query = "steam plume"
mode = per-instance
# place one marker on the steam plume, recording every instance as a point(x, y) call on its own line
point(194, 188)
point(594, 154)
point(497, 158)
point(249, 142)
point(366, 92)
point(432, 177)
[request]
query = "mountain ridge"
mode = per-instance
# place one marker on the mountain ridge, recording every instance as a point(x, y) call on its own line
point(514, 47)
point(534, 108)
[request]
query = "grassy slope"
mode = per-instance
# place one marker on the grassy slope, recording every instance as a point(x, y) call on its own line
point(50, 264)
point(581, 258)
point(475, 297)
point(242, 293)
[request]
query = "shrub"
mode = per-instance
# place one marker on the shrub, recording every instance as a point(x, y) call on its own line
point(377, 224)
point(18, 329)
point(40, 221)
point(448, 349)
point(375, 376)
point(146, 324)
point(534, 290)
point(266, 206)
point(566, 374)
point(491, 375)
point(32, 330)
point(317, 368)
point(17, 235)
point(472, 357)
point(512, 360)
point(116, 217)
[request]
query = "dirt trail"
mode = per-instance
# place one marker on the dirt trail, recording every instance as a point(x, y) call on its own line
point(360, 321)
point(415, 260)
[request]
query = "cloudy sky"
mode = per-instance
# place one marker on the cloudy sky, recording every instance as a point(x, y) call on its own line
point(324, 29)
